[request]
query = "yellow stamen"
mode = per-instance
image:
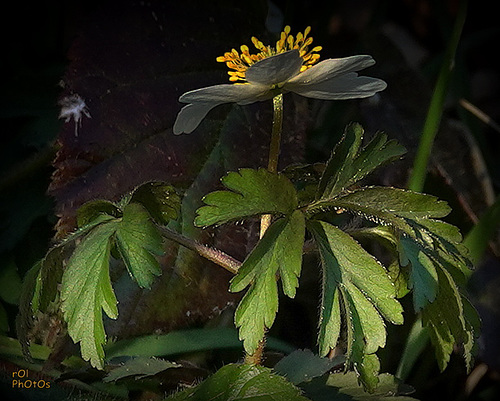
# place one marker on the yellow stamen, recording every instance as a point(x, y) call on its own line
point(241, 62)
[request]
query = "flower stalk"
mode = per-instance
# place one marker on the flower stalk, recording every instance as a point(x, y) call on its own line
point(265, 220)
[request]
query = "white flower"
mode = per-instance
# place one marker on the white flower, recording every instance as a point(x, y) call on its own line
point(289, 67)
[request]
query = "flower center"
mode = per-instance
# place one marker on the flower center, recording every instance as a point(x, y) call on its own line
point(240, 62)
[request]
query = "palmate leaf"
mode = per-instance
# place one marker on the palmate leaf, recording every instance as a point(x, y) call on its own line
point(386, 205)
point(86, 291)
point(86, 286)
point(251, 192)
point(279, 251)
point(138, 240)
point(347, 388)
point(242, 383)
point(357, 290)
point(446, 321)
point(348, 163)
point(424, 240)
point(423, 279)
point(426, 247)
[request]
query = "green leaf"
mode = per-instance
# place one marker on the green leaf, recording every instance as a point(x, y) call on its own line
point(242, 383)
point(251, 192)
point(303, 366)
point(378, 152)
point(279, 251)
point(348, 164)
point(445, 320)
point(385, 204)
point(51, 267)
point(183, 341)
point(86, 291)
point(357, 287)
point(423, 278)
point(338, 169)
point(139, 367)
point(138, 240)
point(90, 211)
point(389, 388)
point(161, 200)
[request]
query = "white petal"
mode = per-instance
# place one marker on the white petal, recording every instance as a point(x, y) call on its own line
point(347, 86)
point(333, 67)
point(275, 69)
point(225, 93)
point(190, 117)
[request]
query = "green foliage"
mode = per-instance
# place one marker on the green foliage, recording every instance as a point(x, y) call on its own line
point(303, 369)
point(354, 282)
point(138, 240)
point(183, 341)
point(86, 289)
point(279, 252)
point(349, 163)
point(302, 366)
point(358, 292)
point(160, 199)
point(252, 192)
point(242, 382)
point(389, 388)
point(86, 286)
point(139, 368)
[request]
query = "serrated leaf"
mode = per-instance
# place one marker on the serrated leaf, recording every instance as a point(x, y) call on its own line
point(386, 204)
point(86, 291)
point(139, 367)
point(279, 251)
point(90, 211)
point(355, 283)
point(376, 153)
point(389, 388)
point(338, 169)
point(445, 320)
point(444, 242)
point(242, 383)
point(423, 279)
point(348, 164)
point(251, 192)
point(138, 241)
point(161, 200)
point(51, 266)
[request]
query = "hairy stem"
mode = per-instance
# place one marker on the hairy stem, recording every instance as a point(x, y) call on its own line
point(274, 151)
point(265, 220)
point(214, 255)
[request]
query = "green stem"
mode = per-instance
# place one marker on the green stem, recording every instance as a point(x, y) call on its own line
point(274, 148)
point(265, 220)
point(274, 151)
point(433, 120)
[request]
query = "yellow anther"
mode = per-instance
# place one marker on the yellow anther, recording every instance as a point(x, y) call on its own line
point(240, 63)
